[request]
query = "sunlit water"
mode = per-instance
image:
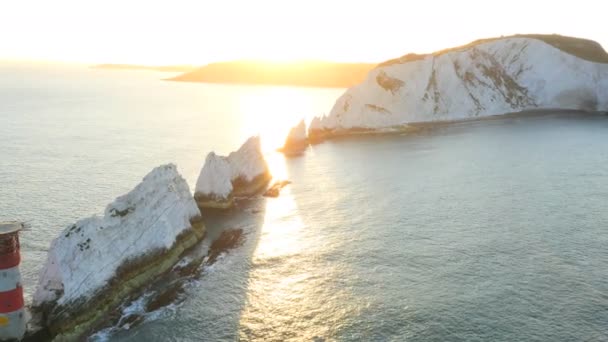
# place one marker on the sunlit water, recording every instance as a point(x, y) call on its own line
point(487, 231)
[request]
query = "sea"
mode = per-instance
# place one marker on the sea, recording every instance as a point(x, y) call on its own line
point(492, 230)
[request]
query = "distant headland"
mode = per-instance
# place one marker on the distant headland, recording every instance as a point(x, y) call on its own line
point(307, 73)
point(163, 68)
point(303, 74)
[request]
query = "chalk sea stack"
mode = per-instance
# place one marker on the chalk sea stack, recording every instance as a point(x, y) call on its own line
point(487, 77)
point(296, 141)
point(242, 173)
point(98, 262)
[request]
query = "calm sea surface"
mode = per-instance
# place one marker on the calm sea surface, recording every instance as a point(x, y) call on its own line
point(486, 231)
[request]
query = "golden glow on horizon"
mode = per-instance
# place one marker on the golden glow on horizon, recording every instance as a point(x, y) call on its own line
point(199, 32)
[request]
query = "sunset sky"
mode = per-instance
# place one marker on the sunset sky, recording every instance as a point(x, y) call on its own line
point(198, 32)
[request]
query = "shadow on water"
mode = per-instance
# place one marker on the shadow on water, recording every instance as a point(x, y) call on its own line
point(204, 299)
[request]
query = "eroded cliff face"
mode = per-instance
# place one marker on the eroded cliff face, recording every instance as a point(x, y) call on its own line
point(296, 141)
point(489, 77)
point(242, 173)
point(97, 262)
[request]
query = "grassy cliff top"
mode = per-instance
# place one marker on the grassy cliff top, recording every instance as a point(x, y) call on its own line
point(582, 48)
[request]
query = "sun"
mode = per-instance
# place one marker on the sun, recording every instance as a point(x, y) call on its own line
point(271, 112)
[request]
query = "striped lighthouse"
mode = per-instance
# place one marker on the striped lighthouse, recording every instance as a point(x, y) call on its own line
point(12, 314)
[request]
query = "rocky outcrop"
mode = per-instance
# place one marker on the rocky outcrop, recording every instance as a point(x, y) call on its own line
point(214, 184)
point(222, 179)
point(296, 141)
point(98, 262)
point(229, 239)
point(485, 78)
point(275, 189)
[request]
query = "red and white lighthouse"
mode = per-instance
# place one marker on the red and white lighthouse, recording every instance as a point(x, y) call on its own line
point(12, 314)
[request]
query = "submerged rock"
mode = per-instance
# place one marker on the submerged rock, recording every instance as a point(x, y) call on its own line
point(243, 173)
point(485, 78)
point(296, 141)
point(166, 297)
point(99, 261)
point(275, 189)
point(229, 239)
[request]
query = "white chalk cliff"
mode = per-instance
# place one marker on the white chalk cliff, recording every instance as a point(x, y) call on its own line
point(243, 173)
point(139, 236)
point(484, 78)
point(297, 139)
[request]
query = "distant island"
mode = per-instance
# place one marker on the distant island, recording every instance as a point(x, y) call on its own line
point(163, 68)
point(307, 73)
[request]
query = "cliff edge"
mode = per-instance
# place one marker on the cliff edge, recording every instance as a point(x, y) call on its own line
point(487, 77)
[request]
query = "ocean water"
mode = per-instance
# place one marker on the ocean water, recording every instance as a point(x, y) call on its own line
point(482, 231)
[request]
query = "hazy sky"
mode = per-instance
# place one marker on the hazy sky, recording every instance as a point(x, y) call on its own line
point(198, 32)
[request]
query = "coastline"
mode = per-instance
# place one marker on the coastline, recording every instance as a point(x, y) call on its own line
point(258, 84)
point(319, 136)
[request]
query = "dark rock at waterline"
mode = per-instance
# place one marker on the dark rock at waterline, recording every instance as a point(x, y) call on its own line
point(272, 192)
point(37, 334)
point(229, 239)
point(275, 189)
point(159, 299)
point(168, 296)
point(192, 268)
point(130, 321)
point(294, 148)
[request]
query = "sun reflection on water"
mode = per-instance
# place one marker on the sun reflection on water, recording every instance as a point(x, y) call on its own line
point(276, 164)
point(281, 228)
point(293, 293)
point(290, 280)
